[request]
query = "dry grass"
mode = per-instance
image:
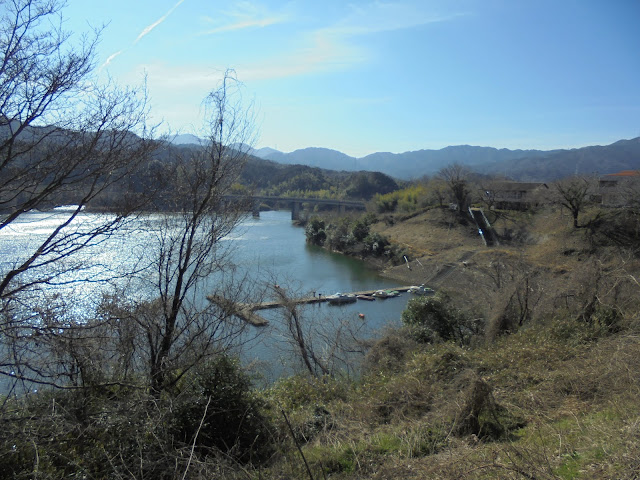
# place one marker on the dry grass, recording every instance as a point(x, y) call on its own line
point(434, 232)
point(577, 397)
point(564, 387)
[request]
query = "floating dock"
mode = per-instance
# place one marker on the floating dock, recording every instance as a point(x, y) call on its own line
point(246, 311)
point(243, 311)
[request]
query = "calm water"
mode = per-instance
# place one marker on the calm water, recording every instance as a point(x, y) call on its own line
point(274, 249)
point(268, 250)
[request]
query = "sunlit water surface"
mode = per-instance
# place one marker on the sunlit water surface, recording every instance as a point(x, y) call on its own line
point(267, 250)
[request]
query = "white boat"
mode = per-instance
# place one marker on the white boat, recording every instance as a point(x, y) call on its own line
point(341, 298)
point(366, 297)
point(386, 293)
point(421, 290)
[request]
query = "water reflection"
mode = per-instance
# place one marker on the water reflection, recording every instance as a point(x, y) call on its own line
point(266, 251)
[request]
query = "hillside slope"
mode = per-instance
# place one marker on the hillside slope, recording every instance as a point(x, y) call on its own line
point(553, 396)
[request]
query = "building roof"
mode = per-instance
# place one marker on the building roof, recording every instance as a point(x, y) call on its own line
point(624, 173)
point(516, 186)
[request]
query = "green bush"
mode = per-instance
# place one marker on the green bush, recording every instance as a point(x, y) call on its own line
point(216, 408)
point(315, 231)
point(360, 229)
point(434, 318)
point(339, 235)
point(407, 200)
point(375, 244)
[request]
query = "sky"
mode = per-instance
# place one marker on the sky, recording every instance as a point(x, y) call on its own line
point(367, 76)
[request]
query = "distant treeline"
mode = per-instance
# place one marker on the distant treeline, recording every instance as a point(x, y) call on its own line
point(259, 177)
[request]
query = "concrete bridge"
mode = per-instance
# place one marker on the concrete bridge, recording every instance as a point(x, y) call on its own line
point(296, 203)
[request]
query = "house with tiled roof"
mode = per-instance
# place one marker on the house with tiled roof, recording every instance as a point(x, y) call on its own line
point(514, 195)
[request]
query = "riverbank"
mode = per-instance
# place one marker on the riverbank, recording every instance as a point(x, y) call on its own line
point(544, 393)
point(445, 251)
point(548, 390)
point(439, 248)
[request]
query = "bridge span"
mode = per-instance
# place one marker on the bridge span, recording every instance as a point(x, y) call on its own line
point(296, 203)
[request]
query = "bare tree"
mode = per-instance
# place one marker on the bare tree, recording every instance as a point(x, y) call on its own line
point(324, 347)
point(62, 139)
point(299, 336)
point(437, 190)
point(630, 187)
point(574, 193)
point(182, 330)
point(515, 292)
point(457, 177)
point(160, 325)
point(491, 192)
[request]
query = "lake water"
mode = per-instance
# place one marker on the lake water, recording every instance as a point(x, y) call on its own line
point(269, 249)
point(272, 248)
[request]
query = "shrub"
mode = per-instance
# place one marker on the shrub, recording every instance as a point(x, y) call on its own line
point(217, 409)
point(315, 231)
point(299, 391)
point(620, 227)
point(339, 235)
point(389, 353)
point(483, 417)
point(375, 244)
point(435, 318)
point(360, 230)
point(386, 203)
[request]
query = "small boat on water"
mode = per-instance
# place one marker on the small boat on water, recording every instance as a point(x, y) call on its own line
point(341, 298)
point(386, 293)
point(369, 298)
point(421, 290)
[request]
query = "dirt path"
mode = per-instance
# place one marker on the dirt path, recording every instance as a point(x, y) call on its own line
point(448, 269)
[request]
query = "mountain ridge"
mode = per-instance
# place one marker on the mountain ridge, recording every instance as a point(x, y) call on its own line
point(519, 164)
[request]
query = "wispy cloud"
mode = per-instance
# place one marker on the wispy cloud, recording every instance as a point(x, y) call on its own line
point(244, 15)
point(338, 46)
point(320, 55)
point(147, 30)
point(263, 22)
point(111, 58)
point(379, 16)
point(334, 47)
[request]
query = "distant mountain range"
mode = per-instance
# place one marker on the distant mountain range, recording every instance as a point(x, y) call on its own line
point(523, 165)
point(185, 139)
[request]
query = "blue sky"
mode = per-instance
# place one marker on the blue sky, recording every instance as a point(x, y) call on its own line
point(367, 76)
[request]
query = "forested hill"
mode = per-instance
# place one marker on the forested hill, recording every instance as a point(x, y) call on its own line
point(525, 165)
point(268, 177)
point(276, 179)
point(259, 176)
point(599, 160)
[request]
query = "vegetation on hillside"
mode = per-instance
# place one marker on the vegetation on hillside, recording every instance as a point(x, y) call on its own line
point(352, 236)
point(306, 182)
point(523, 365)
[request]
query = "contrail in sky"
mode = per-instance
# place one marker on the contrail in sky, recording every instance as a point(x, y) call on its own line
point(111, 58)
point(145, 31)
point(149, 28)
